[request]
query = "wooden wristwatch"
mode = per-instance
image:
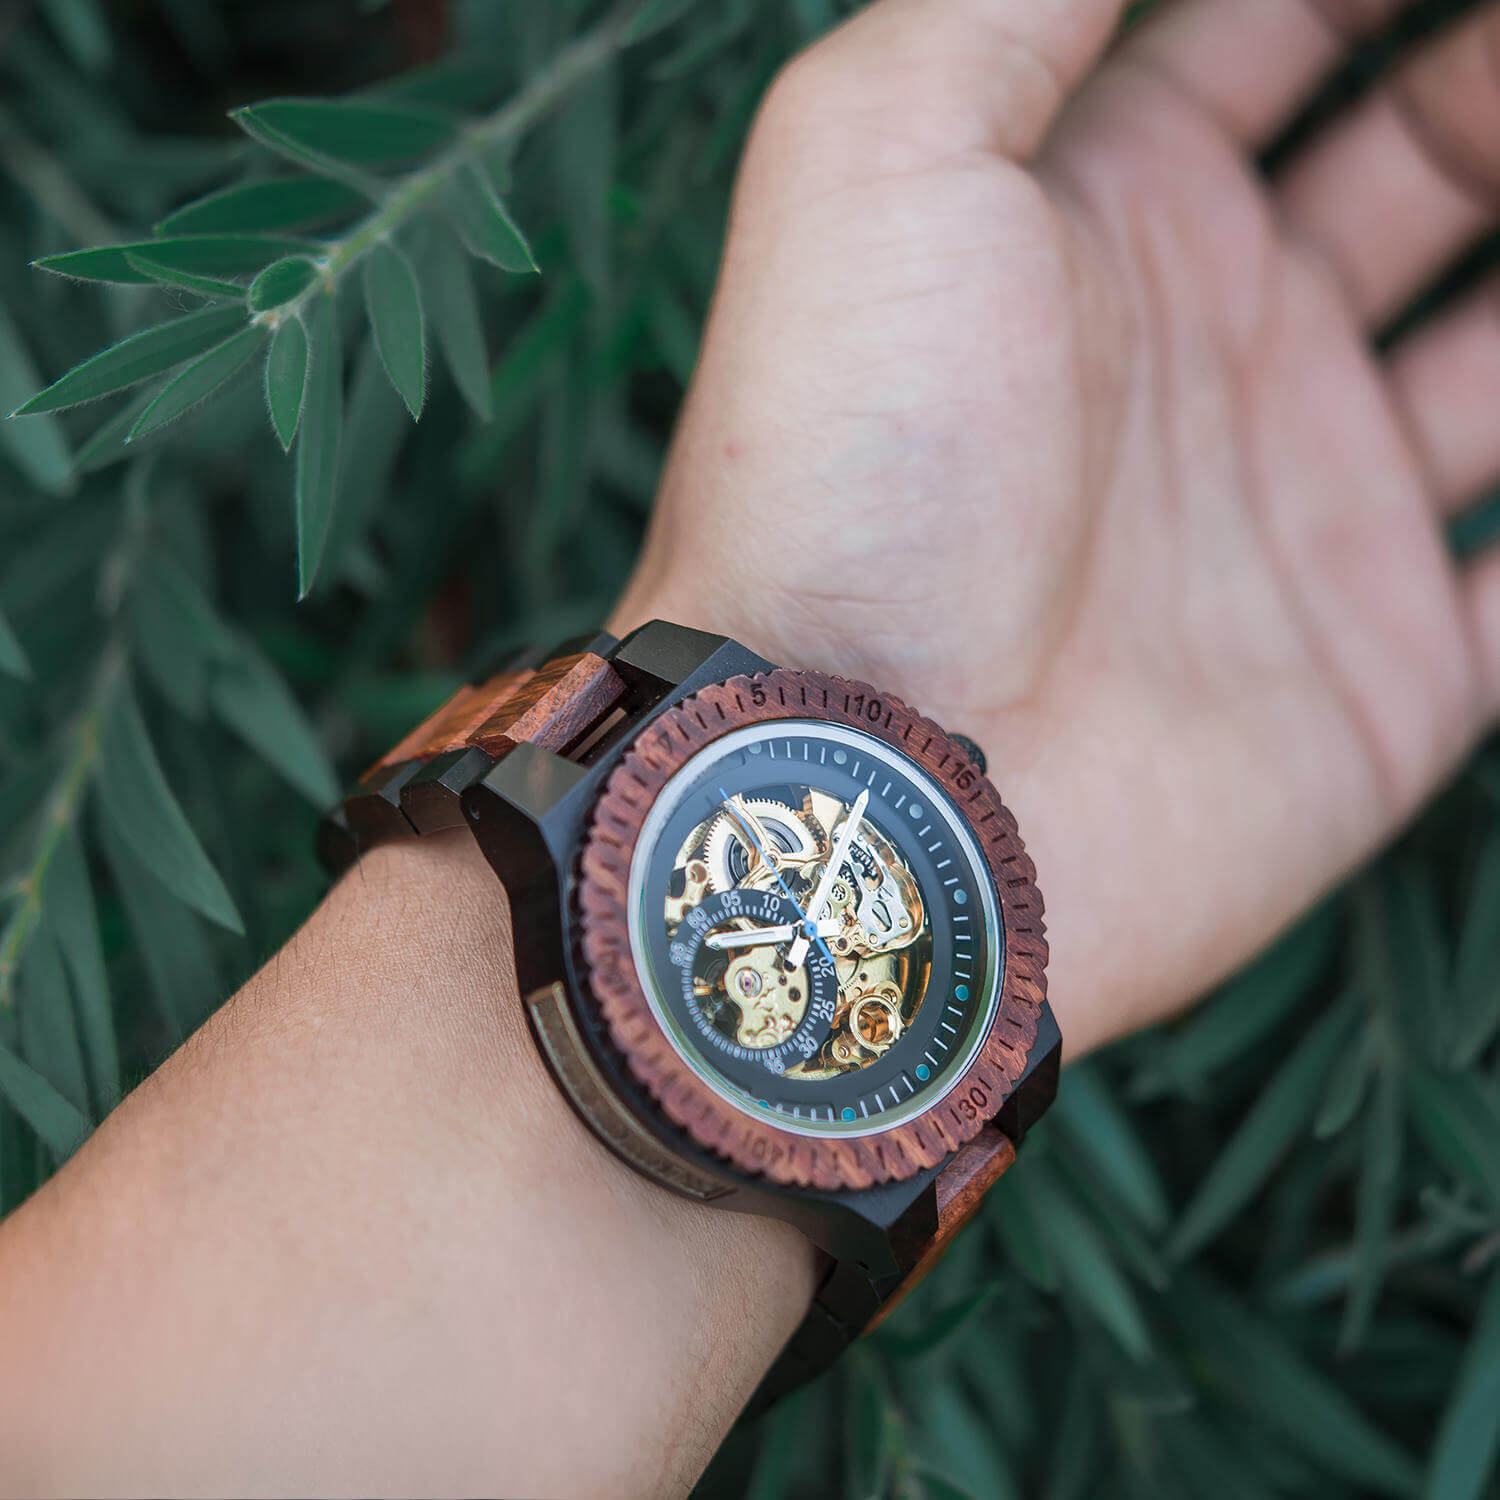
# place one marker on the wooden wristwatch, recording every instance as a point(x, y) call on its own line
point(779, 941)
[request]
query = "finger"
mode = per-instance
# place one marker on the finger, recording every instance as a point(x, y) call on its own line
point(1445, 378)
point(1253, 65)
point(1392, 193)
point(956, 74)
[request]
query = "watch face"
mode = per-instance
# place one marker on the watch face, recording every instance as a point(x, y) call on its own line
point(815, 928)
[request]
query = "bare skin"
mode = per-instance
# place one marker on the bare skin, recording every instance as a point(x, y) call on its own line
point(1022, 396)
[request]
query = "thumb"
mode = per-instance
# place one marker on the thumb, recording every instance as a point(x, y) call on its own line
point(958, 74)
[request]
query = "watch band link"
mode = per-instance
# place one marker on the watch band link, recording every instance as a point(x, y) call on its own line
point(558, 700)
point(554, 700)
point(847, 1304)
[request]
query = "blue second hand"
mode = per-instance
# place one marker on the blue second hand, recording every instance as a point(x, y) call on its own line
point(801, 915)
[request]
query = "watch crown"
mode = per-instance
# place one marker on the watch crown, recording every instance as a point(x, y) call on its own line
point(973, 751)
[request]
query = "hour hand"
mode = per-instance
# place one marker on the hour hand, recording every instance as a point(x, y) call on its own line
point(755, 937)
point(754, 830)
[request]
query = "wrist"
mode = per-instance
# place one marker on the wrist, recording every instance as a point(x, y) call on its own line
point(362, 1179)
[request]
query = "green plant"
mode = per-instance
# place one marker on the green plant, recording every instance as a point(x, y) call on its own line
point(1253, 1253)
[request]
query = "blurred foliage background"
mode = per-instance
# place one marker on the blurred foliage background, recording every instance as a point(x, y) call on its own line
point(1255, 1253)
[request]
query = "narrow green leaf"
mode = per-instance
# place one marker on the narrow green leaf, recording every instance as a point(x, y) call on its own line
point(1265, 1136)
point(138, 357)
point(188, 281)
point(1374, 1205)
point(871, 1430)
point(73, 918)
point(395, 308)
point(110, 442)
point(519, 379)
point(1351, 1073)
point(169, 938)
point(941, 1326)
point(1091, 1118)
point(280, 282)
point(652, 16)
point(1459, 1123)
point(936, 1487)
point(456, 320)
point(1249, 1360)
point(699, 48)
point(249, 695)
point(135, 801)
point(1206, 1465)
point(1476, 968)
point(279, 203)
point(1134, 1245)
point(1401, 954)
point(199, 254)
point(61, 1127)
point(318, 445)
point(36, 447)
point(81, 28)
point(176, 633)
point(12, 658)
point(286, 379)
point(1247, 1009)
point(1012, 1209)
point(1463, 1458)
point(1086, 1267)
point(200, 380)
point(374, 430)
point(345, 131)
point(957, 1445)
point(483, 222)
point(48, 1027)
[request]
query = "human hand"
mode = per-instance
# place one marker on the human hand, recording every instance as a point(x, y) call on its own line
point(1026, 396)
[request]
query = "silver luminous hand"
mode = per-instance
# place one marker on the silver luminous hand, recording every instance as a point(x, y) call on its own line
point(754, 830)
point(797, 953)
point(759, 935)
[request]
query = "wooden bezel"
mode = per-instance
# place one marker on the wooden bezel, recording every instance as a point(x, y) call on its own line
point(754, 1145)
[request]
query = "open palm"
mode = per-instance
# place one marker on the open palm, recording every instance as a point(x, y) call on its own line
point(1027, 396)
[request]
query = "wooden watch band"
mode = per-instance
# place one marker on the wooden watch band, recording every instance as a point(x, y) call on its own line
point(553, 701)
point(550, 706)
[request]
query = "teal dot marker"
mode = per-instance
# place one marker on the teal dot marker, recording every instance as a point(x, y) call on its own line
point(923, 1072)
point(960, 992)
point(960, 897)
point(848, 1113)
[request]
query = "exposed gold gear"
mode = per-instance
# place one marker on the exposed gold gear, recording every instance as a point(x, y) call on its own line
point(793, 835)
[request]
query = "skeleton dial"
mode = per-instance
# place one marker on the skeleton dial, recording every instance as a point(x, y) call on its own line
point(815, 927)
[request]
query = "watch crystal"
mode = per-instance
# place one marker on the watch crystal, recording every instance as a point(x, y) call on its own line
point(815, 927)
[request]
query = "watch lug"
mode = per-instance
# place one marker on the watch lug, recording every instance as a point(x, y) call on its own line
point(879, 1230)
point(520, 816)
point(660, 657)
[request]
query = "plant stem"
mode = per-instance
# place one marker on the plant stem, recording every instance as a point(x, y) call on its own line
point(576, 62)
point(59, 813)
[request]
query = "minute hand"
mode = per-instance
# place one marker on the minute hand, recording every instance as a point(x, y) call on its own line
point(798, 951)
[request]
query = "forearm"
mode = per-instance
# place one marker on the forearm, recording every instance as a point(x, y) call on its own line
point(351, 1238)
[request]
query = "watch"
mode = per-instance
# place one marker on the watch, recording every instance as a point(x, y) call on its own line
point(778, 938)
